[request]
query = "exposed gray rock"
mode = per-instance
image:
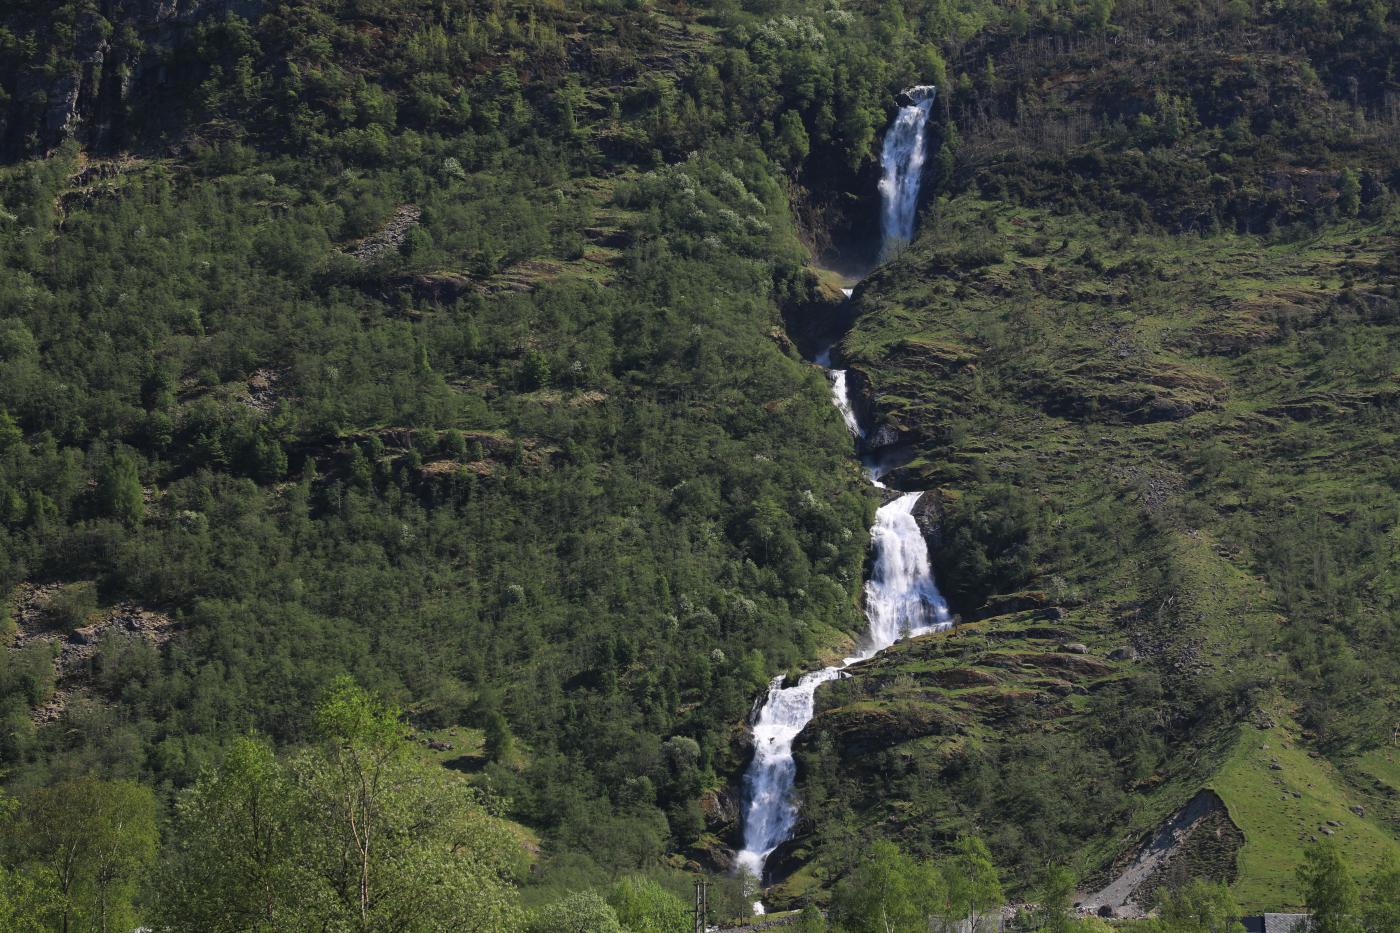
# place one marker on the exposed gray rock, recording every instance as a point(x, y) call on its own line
point(101, 77)
point(1153, 855)
point(390, 237)
point(886, 435)
point(1167, 409)
point(87, 635)
point(928, 512)
point(912, 96)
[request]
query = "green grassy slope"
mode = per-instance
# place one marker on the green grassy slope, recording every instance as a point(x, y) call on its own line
point(1143, 353)
point(1282, 809)
point(1186, 444)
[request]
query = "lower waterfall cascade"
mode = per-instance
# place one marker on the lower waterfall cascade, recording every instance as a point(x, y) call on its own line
point(901, 601)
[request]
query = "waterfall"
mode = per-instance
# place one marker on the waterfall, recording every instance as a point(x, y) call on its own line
point(772, 811)
point(902, 164)
point(901, 601)
point(840, 397)
point(901, 598)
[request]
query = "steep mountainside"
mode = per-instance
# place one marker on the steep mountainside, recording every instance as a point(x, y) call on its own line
point(1145, 350)
point(442, 343)
point(437, 343)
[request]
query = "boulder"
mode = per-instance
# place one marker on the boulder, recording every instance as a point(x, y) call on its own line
point(712, 857)
point(721, 809)
point(1169, 409)
point(439, 287)
point(1125, 653)
point(87, 635)
point(913, 96)
point(886, 435)
point(1008, 603)
point(957, 678)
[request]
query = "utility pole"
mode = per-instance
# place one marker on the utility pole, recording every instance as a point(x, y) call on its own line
point(702, 905)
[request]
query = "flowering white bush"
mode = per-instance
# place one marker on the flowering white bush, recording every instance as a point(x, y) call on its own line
point(791, 32)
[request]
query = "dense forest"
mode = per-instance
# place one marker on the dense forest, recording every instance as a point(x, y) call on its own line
point(435, 344)
point(406, 394)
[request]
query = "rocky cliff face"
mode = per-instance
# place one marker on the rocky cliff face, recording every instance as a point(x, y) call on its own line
point(100, 76)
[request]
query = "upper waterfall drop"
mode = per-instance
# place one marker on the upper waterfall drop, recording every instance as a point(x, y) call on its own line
point(902, 168)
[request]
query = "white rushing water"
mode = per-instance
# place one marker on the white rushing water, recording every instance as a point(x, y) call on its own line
point(901, 598)
point(840, 396)
point(902, 170)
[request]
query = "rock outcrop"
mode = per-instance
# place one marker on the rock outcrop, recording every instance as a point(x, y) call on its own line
point(388, 239)
point(117, 73)
point(73, 650)
point(1200, 839)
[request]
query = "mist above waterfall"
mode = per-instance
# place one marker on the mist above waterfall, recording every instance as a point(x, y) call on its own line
point(902, 169)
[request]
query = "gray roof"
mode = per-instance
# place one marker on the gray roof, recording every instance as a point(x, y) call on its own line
point(1275, 923)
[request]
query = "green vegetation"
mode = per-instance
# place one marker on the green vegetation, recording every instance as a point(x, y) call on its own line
point(1280, 809)
point(352, 833)
point(88, 846)
point(432, 358)
point(357, 834)
point(889, 890)
point(439, 345)
point(1123, 430)
point(1142, 354)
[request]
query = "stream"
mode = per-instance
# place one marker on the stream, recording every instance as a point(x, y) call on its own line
point(901, 598)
